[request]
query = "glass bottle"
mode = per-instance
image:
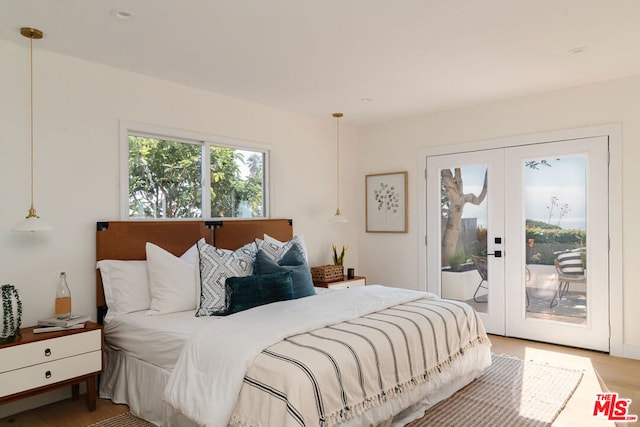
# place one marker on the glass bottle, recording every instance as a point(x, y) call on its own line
point(63, 298)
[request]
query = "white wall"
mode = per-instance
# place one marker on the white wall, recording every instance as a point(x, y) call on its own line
point(394, 146)
point(78, 106)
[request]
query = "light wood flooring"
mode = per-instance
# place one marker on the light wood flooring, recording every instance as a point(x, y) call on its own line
point(602, 372)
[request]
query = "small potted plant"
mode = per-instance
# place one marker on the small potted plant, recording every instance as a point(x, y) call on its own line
point(338, 257)
point(457, 260)
point(11, 314)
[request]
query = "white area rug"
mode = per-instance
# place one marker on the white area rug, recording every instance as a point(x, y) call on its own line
point(511, 392)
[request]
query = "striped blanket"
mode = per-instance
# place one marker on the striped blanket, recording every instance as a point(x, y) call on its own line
point(318, 360)
point(339, 371)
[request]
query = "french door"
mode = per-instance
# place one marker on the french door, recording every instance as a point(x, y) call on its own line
point(521, 234)
point(458, 230)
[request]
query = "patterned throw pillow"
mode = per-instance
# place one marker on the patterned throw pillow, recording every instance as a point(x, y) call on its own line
point(216, 265)
point(570, 262)
point(276, 249)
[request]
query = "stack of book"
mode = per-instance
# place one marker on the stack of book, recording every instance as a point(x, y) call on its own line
point(76, 321)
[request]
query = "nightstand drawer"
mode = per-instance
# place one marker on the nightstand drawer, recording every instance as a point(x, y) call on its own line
point(353, 283)
point(49, 373)
point(45, 351)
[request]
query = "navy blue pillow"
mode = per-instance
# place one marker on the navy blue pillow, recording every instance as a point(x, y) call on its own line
point(243, 293)
point(292, 261)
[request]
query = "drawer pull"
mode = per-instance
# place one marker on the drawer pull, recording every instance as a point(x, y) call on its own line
point(47, 352)
point(47, 374)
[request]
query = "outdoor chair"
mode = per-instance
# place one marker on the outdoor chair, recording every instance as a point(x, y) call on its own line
point(481, 265)
point(569, 269)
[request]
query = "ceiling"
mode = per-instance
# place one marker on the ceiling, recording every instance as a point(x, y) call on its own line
point(374, 60)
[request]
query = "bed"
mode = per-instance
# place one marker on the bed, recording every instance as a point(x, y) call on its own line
point(364, 356)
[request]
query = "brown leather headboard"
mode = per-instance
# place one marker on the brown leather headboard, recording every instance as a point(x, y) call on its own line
point(126, 240)
point(235, 234)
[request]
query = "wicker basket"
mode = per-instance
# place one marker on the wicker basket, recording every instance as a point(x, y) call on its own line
point(327, 273)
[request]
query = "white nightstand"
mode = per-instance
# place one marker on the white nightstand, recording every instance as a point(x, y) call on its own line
point(343, 284)
point(40, 362)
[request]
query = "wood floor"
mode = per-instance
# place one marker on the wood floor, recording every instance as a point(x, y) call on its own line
point(601, 372)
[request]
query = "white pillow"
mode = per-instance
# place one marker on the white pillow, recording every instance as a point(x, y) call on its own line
point(174, 283)
point(276, 249)
point(126, 287)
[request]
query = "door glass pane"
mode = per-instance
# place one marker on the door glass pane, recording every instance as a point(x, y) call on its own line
point(555, 237)
point(463, 203)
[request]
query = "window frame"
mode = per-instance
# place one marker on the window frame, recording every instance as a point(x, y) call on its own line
point(205, 141)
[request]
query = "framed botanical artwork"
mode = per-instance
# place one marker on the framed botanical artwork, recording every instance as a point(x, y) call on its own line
point(386, 199)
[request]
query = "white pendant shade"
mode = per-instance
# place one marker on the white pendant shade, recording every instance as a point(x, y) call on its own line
point(338, 217)
point(32, 223)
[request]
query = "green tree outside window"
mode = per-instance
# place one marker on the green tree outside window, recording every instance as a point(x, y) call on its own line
point(166, 180)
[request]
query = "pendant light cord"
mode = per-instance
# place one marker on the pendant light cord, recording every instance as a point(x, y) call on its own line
point(338, 164)
point(31, 119)
point(32, 222)
point(337, 217)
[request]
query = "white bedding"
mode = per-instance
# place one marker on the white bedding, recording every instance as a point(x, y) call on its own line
point(142, 350)
point(155, 339)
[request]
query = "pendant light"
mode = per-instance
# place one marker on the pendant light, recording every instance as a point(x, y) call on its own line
point(32, 221)
point(338, 216)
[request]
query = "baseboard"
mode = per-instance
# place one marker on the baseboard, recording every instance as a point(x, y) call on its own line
point(631, 351)
point(38, 400)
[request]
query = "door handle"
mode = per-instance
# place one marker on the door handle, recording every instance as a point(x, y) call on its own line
point(497, 254)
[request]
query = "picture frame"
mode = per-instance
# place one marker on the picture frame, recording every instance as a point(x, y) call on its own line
point(386, 202)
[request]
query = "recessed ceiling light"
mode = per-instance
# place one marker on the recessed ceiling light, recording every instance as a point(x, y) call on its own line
point(122, 14)
point(577, 50)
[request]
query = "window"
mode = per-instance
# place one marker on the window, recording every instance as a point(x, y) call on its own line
point(191, 176)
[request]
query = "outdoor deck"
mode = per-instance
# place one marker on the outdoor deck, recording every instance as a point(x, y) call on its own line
point(541, 288)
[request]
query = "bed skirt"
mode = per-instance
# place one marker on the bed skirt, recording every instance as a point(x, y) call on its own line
point(131, 381)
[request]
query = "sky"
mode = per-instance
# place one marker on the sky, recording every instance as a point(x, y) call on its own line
point(565, 179)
